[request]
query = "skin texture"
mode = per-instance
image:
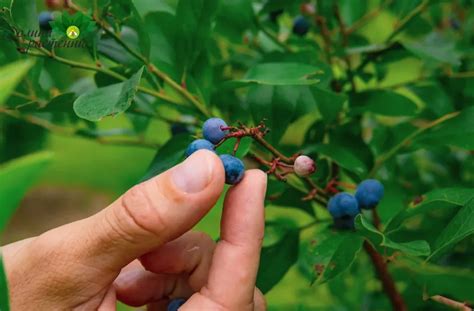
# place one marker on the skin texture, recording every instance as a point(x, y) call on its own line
point(140, 249)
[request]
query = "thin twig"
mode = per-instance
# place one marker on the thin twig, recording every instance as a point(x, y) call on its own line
point(386, 156)
point(453, 304)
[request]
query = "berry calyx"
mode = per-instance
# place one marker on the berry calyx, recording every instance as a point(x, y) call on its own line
point(234, 169)
point(369, 193)
point(300, 26)
point(175, 304)
point(44, 18)
point(199, 144)
point(304, 166)
point(343, 204)
point(214, 130)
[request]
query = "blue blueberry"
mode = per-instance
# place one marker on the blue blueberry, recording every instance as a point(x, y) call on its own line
point(212, 130)
point(44, 18)
point(175, 304)
point(343, 204)
point(369, 193)
point(300, 26)
point(199, 144)
point(234, 169)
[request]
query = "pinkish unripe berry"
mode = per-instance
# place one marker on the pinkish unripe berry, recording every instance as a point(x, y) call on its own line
point(304, 166)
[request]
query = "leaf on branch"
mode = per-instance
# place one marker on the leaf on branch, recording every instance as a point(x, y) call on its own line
point(383, 102)
point(11, 75)
point(279, 74)
point(277, 259)
point(460, 227)
point(109, 100)
point(413, 248)
point(330, 254)
point(435, 47)
point(458, 131)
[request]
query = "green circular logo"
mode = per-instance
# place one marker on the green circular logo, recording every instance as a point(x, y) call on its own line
point(73, 32)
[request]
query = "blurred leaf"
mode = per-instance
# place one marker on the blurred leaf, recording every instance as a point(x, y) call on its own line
point(61, 103)
point(109, 100)
point(169, 155)
point(438, 280)
point(451, 196)
point(435, 98)
point(457, 131)
point(11, 75)
point(127, 12)
point(193, 30)
point(16, 177)
point(24, 14)
point(274, 104)
point(4, 304)
point(341, 156)
point(460, 227)
point(331, 253)
point(277, 259)
point(162, 40)
point(413, 248)
point(383, 102)
point(280, 74)
point(234, 17)
point(146, 6)
point(435, 47)
point(329, 103)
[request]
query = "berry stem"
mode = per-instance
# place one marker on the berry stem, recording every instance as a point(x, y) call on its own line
point(387, 282)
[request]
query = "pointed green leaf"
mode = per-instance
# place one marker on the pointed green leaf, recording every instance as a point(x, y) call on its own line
point(414, 248)
point(16, 177)
point(109, 100)
point(460, 227)
point(11, 75)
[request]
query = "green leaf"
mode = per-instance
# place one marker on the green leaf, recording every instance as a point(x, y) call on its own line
point(16, 177)
point(277, 259)
point(292, 198)
point(454, 283)
point(24, 14)
point(328, 102)
point(109, 100)
point(413, 248)
point(435, 98)
point(169, 155)
point(194, 29)
point(279, 74)
point(274, 104)
point(341, 156)
point(11, 75)
point(460, 227)
point(4, 305)
point(383, 102)
point(435, 47)
point(332, 253)
point(455, 132)
point(445, 197)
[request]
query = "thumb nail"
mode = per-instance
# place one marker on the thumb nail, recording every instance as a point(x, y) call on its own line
point(194, 174)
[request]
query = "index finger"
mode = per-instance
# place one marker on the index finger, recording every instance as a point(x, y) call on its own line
point(236, 258)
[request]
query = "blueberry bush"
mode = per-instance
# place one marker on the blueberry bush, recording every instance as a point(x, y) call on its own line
point(361, 113)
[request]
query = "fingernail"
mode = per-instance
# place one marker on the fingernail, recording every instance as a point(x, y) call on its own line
point(195, 173)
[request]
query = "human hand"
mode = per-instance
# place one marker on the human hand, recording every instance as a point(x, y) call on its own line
point(139, 249)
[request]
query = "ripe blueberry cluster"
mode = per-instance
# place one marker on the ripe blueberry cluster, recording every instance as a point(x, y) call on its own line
point(344, 206)
point(175, 304)
point(214, 130)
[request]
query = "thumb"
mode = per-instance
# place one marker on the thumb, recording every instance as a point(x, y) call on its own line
point(148, 215)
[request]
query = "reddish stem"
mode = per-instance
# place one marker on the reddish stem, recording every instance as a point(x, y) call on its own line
point(387, 282)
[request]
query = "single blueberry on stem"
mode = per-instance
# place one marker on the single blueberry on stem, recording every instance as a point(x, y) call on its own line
point(234, 169)
point(199, 144)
